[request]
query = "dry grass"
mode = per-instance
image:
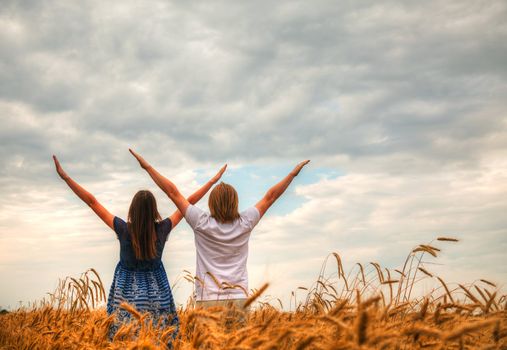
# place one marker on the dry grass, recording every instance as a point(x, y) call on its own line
point(369, 308)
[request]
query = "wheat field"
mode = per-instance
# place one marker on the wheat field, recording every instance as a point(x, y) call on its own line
point(369, 307)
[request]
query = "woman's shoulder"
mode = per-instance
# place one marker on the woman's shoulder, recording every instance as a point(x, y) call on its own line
point(164, 224)
point(119, 221)
point(163, 228)
point(120, 227)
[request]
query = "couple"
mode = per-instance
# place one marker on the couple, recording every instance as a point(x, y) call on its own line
point(221, 240)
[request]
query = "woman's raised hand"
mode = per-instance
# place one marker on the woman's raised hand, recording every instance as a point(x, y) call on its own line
point(144, 164)
point(85, 196)
point(59, 169)
point(217, 177)
point(298, 167)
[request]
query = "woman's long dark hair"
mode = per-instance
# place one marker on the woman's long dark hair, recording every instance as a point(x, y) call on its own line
point(143, 215)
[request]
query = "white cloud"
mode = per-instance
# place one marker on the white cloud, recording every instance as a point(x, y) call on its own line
point(380, 217)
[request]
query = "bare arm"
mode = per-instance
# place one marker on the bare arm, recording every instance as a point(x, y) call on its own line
point(197, 195)
point(85, 196)
point(165, 184)
point(277, 190)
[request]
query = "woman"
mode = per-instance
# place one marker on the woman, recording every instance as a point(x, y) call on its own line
point(221, 236)
point(140, 278)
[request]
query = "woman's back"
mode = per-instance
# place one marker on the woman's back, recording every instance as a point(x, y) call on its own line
point(142, 283)
point(127, 255)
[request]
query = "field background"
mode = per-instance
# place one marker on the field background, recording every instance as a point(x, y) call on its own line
point(369, 307)
point(399, 105)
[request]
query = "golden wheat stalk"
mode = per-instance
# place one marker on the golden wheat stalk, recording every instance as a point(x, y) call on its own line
point(426, 272)
point(447, 239)
point(254, 296)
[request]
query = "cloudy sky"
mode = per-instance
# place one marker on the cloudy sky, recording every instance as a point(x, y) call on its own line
point(400, 105)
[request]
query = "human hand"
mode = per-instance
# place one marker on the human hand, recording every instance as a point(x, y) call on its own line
point(218, 175)
point(298, 167)
point(59, 169)
point(143, 163)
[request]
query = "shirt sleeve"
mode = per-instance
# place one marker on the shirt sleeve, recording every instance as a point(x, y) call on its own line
point(195, 216)
point(250, 217)
point(167, 226)
point(120, 227)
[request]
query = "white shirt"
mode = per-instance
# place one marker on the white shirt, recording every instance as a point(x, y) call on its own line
point(222, 252)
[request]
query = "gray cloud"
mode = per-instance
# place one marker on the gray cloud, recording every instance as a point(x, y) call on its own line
point(277, 75)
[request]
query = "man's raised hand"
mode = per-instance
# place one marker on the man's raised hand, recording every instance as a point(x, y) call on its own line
point(217, 177)
point(298, 167)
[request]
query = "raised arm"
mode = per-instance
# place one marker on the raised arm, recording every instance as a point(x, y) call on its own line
point(277, 190)
point(85, 196)
point(197, 195)
point(165, 184)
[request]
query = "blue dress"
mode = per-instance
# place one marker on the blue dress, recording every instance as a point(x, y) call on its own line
point(142, 283)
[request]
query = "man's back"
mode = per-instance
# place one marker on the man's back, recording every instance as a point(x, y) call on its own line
point(222, 253)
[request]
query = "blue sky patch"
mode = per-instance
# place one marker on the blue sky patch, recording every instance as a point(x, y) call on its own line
point(252, 182)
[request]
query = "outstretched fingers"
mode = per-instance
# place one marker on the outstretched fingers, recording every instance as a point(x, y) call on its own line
point(219, 174)
point(143, 163)
point(300, 166)
point(59, 168)
point(137, 156)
